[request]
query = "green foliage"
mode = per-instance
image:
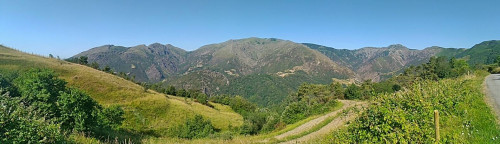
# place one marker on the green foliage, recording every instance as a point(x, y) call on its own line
point(498, 60)
point(353, 92)
point(294, 112)
point(171, 90)
point(21, 124)
point(437, 68)
point(202, 98)
point(196, 127)
point(256, 120)
point(40, 89)
point(407, 116)
point(272, 123)
point(483, 53)
point(94, 65)
point(77, 111)
point(337, 90)
point(83, 60)
point(310, 99)
point(43, 110)
point(107, 69)
point(112, 116)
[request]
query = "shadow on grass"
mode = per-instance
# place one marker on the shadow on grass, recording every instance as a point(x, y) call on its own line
point(123, 135)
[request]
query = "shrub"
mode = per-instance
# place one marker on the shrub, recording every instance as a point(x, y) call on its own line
point(294, 112)
point(112, 116)
point(21, 124)
point(196, 127)
point(77, 111)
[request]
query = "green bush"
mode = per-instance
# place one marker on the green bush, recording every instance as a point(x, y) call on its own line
point(42, 109)
point(353, 92)
point(40, 89)
point(294, 112)
point(112, 116)
point(21, 124)
point(77, 111)
point(196, 127)
point(407, 116)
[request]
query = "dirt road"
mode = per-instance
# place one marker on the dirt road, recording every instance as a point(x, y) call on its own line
point(330, 126)
point(333, 125)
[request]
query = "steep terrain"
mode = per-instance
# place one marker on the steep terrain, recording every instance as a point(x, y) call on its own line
point(377, 64)
point(146, 112)
point(272, 67)
point(266, 70)
point(257, 68)
point(483, 53)
point(146, 63)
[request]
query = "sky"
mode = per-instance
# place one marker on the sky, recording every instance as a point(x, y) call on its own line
point(65, 28)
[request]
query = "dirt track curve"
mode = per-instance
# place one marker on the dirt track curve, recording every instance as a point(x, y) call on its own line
point(334, 124)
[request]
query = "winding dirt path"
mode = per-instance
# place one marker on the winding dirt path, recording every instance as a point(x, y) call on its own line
point(310, 124)
point(334, 124)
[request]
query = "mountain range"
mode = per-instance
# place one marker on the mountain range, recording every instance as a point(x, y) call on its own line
point(265, 70)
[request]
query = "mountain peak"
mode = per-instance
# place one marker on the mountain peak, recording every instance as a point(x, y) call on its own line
point(155, 45)
point(397, 46)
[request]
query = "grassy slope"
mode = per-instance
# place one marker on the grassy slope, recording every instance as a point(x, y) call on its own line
point(145, 111)
point(244, 138)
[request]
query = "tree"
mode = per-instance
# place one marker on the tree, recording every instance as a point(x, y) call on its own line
point(107, 69)
point(337, 90)
point(181, 92)
point(51, 56)
point(202, 98)
point(83, 60)
point(498, 60)
point(171, 90)
point(353, 92)
point(294, 112)
point(396, 87)
point(94, 65)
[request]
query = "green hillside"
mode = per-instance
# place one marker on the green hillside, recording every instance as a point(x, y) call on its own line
point(483, 53)
point(147, 113)
point(408, 117)
point(225, 68)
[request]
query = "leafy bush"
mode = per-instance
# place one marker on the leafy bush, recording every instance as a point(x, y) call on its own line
point(352, 92)
point(44, 110)
point(112, 116)
point(294, 112)
point(196, 127)
point(21, 124)
point(407, 116)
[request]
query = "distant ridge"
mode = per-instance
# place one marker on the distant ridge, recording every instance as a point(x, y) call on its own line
point(266, 69)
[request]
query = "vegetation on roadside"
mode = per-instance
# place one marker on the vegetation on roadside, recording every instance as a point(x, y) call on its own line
point(446, 85)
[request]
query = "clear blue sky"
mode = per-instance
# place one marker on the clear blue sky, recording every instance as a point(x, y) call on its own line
point(66, 28)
